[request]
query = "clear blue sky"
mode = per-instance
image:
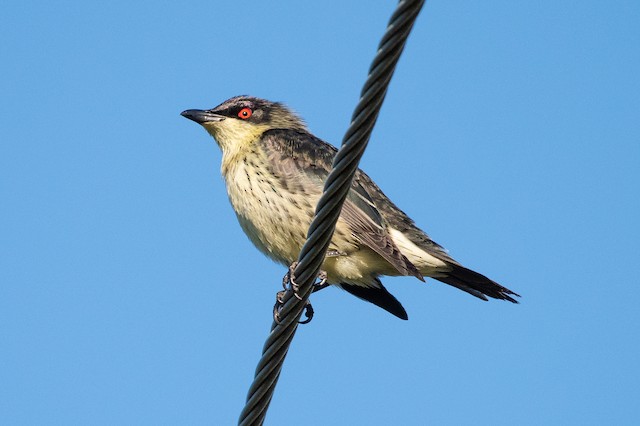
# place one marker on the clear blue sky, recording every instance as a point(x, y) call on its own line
point(130, 295)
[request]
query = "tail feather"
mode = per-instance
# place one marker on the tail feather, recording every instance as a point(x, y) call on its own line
point(379, 296)
point(476, 284)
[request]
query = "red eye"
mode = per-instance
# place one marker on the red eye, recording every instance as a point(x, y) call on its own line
point(245, 113)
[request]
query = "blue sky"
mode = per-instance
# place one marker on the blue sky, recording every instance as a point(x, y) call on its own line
point(129, 294)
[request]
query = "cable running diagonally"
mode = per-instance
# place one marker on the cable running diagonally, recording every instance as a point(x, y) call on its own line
point(336, 187)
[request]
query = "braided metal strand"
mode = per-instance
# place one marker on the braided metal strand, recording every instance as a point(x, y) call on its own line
point(336, 188)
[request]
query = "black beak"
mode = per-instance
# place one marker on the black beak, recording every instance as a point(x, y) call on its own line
point(200, 116)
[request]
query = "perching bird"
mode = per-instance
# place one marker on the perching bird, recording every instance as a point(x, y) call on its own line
point(275, 169)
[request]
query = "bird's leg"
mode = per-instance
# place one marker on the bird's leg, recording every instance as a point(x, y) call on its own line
point(288, 283)
point(322, 275)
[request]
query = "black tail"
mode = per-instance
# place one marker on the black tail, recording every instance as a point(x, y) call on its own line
point(476, 284)
point(379, 296)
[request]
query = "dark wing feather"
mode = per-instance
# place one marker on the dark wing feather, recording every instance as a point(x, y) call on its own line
point(403, 223)
point(457, 276)
point(476, 284)
point(297, 155)
point(365, 221)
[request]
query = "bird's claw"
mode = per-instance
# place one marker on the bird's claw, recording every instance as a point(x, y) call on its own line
point(278, 306)
point(288, 283)
point(322, 276)
point(287, 277)
point(308, 309)
point(308, 313)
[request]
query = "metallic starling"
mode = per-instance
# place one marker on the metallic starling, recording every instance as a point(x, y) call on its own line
point(275, 169)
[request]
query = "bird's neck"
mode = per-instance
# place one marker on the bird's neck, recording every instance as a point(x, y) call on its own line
point(236, 141)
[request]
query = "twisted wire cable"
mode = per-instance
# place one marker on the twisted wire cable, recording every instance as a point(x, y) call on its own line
point(336, 188)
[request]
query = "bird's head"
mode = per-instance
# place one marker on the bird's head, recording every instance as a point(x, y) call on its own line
point(239, 122)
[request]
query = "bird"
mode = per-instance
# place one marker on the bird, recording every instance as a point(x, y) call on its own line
point(274, 169)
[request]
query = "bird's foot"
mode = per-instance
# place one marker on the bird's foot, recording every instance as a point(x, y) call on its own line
point(289, 284)
point(322, 283)
point(308, 309)
point(308, 314)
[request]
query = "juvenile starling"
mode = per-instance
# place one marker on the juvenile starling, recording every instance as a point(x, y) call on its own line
point(275, 169)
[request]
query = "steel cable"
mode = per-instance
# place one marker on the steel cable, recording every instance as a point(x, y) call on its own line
point(336, 188)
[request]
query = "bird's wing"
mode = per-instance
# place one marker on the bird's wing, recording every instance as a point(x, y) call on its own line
point(399, 220)
point(365, 221)
point(457, 275)
point(296, 157)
